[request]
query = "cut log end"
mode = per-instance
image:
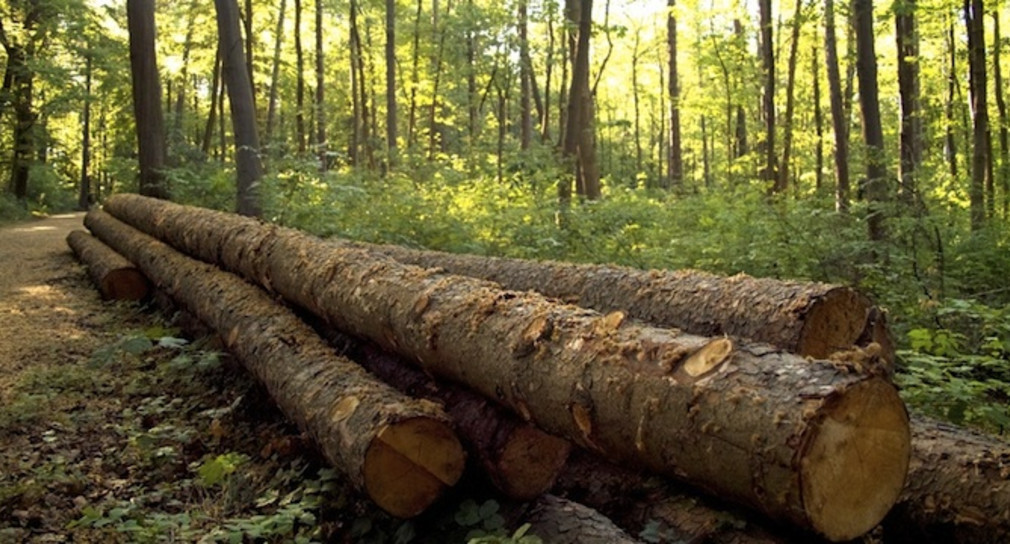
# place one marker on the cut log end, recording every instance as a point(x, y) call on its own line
point(125, 284)
point(411, 463)
point(835, 323)
point(530, 462)
point(855, 466)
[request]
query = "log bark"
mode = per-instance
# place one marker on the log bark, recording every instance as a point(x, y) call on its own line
point(814, 443)
point(401, 452)
point(634, 500)
point(811, 319)
point(116, 277)
point(958, 488)
point(521, 461)
point(561, 521)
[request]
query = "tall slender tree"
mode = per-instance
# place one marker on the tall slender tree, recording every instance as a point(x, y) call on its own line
point(675, 161)
point(300, 129)
point(84, 194)
point(782, 180)
point(147, 98)
point(974, 15)
point(391, 128)
point(580, 132)
point(839, 118)
point(875, 187)
point(768, 98)
point(243, 111)
point(274, 77)
point(525, 79)
point(1004, 137)
point(907, 37)
point(319, 105)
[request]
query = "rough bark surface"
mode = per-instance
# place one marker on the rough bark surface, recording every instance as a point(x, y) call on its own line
point(561, 521)
point(810, 442)
point(634, 500)
point(116, 277)
point(958, 488)
point(522, 461)
point(811, 319)
point(401, 452)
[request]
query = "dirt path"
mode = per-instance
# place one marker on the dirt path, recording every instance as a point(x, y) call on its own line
point(49, 314)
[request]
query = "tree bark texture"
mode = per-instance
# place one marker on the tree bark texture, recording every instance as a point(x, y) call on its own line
point(116, 277)
point(561, 521)
point(907, 37)
point(400, 451)
point(839, 119)
point(633, 500)
point(974, 14)
point(580, 131)
point(958, 488)
point(147, 98)
point(675, 161)
point(85, 195)
point(249, 169)
point(274, 77)
point(768, 94)
point(520, 460)
point(873, 134)
point(811, 319)
point(1001, 108)
point(782, 179)
point(391, 129)
point(319, 105)
point(811, 442)
point(299, 81)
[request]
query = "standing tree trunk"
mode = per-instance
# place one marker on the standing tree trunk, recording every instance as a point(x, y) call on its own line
point(320, 105)
point(839, 120)
point(147, 98)
point(782, 180)
point(768, 98)
point(300, 82)
point(818, 119)
point(274, 78)
point(873, 133)
point(84, 196)
point(215, 82)
point(391, 130)
point(950, 147)
point(243, 110)
point(635, 101)
point(974, 15)
point(580, 137)
point(675, 161)
point(177, 134)
point(741, 115)
point(1004, 138)
point(249, 45)
point(525, 81)
point(907, 36)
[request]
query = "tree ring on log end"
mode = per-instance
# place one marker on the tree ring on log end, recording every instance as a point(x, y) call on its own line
point(855, 465)
point(531, 461)
point(125, 284)
point(410, 463)
point(834, 323)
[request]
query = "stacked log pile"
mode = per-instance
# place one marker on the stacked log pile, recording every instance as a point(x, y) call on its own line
point(820, 443)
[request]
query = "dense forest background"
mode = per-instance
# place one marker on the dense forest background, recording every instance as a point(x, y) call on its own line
point(834, 141)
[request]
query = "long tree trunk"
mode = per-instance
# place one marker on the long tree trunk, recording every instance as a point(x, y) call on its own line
point(115, 277)
point(839, 119)
point(635, 101)
point(400, 451)
point(675, 161)
point(215, 82)
point(147, 98)
point(742, 148)
point(782, 180)
point(811, 319)
point(907, 37)
point(250, 45)
point(873, 133)
point(1004, 122)
point(525, 80)
point(301, 134)
point(768, 93)
point(832, 448)
point(974, 15)
point(248, 168)
point(950, 147)
point(580, 133)
point(319, 107)
point(274, 79)
point(818, 118)
point(84, 195)
point(391, 129)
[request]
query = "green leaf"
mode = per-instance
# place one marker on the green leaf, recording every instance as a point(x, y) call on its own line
point(135, 345)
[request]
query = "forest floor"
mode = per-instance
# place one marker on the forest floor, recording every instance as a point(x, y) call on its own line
point(113, 428)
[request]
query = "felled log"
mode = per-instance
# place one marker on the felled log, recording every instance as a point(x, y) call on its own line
point(519, 459)
point(811, 442)
point(402, 452)
point(561, 521)
point(958, 488)
point(633, 500)
point(116, 278)
point(811, 319)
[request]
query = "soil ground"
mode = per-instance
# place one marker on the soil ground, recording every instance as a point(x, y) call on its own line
point(115, 429)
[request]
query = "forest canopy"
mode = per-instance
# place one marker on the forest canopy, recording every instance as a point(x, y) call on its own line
point(853, 142)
